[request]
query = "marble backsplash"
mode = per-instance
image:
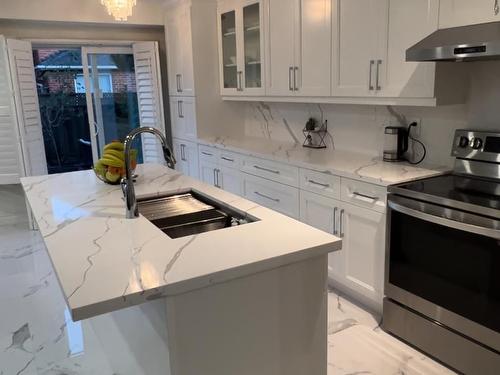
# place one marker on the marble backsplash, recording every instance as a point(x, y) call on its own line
point(360, 128)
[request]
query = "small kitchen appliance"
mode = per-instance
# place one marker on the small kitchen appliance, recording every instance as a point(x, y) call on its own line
point(442, 279)
point(395, 143)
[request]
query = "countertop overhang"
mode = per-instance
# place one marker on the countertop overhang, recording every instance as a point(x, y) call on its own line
point(105, 262)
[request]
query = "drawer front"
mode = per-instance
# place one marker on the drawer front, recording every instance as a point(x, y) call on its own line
point(320, 183)
point(273, 195)
point(229, 159)
point(209, 154)
point(285, 174)
point(364, 194)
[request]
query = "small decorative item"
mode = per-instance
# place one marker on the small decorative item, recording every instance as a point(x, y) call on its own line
point(314, 134)
point(119, 9)
point(111, 167)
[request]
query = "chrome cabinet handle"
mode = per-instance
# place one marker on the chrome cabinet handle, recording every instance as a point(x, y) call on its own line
point(178, 78)
point(227, 159)
point(277, 200)
point(216, 184)
point(217, 173)
point(180, 108)
point(290, 79)
point(182, 152)
point(377, 83)
point(266, 169)
point(240, 81)
point(295, 79)
point(496, 8)
point(341, 224)
point(207, 153)
point(318, 183)
point(370, 86)
point(355, 193)
point(335, 231)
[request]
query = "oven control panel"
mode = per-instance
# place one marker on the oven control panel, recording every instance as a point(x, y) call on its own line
point(476, 145)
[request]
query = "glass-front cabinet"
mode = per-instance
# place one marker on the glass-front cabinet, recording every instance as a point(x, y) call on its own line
point(240, 47)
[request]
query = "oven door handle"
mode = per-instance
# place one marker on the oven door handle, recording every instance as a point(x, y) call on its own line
point(471, 228)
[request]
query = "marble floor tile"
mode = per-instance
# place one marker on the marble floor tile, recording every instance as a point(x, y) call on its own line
point(37, 337)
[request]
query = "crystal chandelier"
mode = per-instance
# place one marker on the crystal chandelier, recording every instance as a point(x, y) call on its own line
point(119, 9)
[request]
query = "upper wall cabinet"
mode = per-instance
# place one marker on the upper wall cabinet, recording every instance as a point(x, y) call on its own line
point(241, 42)
point(467, 12)
point(180, 53)
point(370, 42)
point(359, 46)
point(298, 47)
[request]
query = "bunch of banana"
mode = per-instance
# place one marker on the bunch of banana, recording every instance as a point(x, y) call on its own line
point(111, 167)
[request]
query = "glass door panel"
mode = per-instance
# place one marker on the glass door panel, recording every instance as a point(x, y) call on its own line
point(251, 27)
point(113, 113)
point(229, 57)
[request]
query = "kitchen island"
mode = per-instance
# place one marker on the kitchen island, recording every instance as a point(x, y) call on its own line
point(241, 300)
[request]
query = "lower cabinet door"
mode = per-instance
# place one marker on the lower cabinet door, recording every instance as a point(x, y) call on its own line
point(363, 248)
point(359, 266)
point(208, 172)
point(230, 180)
point(186, 155)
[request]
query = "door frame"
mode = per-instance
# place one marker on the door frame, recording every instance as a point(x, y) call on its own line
point(96, 123)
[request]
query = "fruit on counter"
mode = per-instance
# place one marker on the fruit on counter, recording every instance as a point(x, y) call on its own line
point(111, 166)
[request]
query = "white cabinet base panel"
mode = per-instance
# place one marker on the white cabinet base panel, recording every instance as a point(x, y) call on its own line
point(271, 323)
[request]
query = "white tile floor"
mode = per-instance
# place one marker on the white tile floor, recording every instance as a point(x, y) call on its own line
point(36, 337)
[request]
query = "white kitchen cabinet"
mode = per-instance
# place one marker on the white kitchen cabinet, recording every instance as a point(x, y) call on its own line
point(183, 117)
point(403, 79)
point(455, 13)
point(298, 47)
point(186, 154)
point(359, 266)
point(359, 42)
point(208, 172)
point(241, 42)
point(230, 179)
point(179, 50)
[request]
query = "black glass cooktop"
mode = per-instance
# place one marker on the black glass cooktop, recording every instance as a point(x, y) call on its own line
point(474, 191)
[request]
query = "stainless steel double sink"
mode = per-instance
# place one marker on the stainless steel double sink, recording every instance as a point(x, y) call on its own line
point(190, 213)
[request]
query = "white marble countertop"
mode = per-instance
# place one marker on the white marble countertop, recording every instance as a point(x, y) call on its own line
point(341, 163)
point(105, 262)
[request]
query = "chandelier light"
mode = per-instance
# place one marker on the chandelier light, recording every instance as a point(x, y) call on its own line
point(119, 9)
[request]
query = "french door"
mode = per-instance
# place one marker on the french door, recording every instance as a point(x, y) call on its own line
point(111, 94)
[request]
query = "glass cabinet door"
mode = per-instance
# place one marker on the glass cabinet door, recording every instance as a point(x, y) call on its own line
point(229, 58)
point(252, 44)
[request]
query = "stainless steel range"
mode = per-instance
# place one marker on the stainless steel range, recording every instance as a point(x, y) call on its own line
point(442, 274)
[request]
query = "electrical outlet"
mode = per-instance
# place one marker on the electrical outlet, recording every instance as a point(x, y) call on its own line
point(416, 131)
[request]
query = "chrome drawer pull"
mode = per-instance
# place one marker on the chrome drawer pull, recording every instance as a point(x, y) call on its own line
point(377, 83)
point(342, 223)
point(319, 183)
point(267, 197)
point(355, 193)
point(227, 159)
point(266, 169)
point(335, 231)
point(207, 153)
point(370, 85)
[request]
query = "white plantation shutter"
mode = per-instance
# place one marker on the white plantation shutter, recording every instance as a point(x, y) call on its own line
point(149, 95)
point(10, 166)
point(27, 109)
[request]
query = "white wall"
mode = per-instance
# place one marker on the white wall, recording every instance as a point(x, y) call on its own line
point(146, 12)
point(360, 128)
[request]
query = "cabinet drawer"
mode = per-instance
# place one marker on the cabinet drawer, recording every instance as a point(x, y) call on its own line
point(320, 183)
point(273, 195)
point(229, 159)
point(364, 194)
point(209, 154)
point(286, 174)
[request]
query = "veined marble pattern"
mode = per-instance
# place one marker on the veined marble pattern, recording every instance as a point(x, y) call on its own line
point(342, 163)
point(105, 262)
point(36, 337)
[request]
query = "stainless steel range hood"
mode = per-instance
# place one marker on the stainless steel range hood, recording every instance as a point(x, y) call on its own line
point(465, 43)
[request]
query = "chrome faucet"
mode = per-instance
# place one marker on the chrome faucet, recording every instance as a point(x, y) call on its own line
point(127, 182)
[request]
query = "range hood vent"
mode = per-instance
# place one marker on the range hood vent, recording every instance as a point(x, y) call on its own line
point(465, 43)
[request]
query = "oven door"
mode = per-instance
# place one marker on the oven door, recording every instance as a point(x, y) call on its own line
point(445, 264)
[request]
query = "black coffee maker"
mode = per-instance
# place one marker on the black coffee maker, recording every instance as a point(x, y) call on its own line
point(395, 143)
